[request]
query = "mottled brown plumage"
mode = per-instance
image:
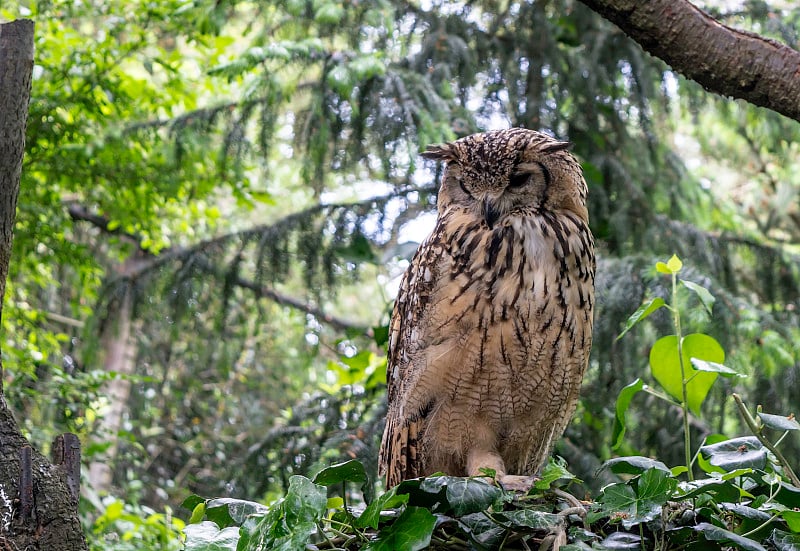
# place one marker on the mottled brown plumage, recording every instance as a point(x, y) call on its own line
point(492, 327)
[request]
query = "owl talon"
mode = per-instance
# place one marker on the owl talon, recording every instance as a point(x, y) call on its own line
point(517, 483)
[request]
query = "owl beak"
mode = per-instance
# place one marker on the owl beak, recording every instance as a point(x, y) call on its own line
point(490, 212)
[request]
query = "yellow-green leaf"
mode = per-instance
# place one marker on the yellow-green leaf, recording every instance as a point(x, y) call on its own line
point(666, 367)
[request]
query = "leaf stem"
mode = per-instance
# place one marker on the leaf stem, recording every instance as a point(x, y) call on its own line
point(687, 439)
point(757, 528)
point(755, 428)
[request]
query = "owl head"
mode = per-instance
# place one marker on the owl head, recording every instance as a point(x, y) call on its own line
point(510, 172)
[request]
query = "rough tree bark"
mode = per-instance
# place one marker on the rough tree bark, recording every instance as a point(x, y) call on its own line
point(727, 61)
point(38, 501)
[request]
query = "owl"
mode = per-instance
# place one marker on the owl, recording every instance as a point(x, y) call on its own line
point(492, 327)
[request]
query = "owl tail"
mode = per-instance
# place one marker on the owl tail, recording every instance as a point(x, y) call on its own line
point(399, 457)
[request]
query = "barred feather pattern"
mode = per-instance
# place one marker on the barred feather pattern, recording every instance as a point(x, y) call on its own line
point(492, 328)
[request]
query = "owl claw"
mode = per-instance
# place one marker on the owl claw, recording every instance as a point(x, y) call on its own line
point(517, 483)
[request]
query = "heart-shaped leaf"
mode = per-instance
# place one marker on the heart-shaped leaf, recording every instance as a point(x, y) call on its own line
point(412, 531)
point(666, 366)
point(737, 453)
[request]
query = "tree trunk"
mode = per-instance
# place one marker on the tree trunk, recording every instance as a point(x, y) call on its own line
point(38, 501)
point(727, 61)
point(120, 357)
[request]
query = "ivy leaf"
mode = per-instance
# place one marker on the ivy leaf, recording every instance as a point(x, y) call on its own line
point(529, 518)
point(290, 521)
point(412, 531)
point(642, 504)
point(634, 464)
point(372, 514)
point(464, 495)
point(702, 293)
point(622, 541)
point(554, 470)
point(642, 312)
point(623, 401)
point(749, 518)
point(737, 453)
point(715, 533)
point(666, 366)
point(349, 471)
point(483, 530)
point(231, 512)
point(206, 536)
point(779, 422)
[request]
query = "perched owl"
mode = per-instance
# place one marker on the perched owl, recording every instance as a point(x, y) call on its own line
point(492, 327)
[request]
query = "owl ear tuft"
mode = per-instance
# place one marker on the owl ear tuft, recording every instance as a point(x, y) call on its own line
point(443, 152)
point(556, 146)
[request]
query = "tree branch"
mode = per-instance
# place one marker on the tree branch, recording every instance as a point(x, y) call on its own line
point(723, 60)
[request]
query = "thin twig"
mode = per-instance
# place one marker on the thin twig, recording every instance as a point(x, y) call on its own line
point(756, 430)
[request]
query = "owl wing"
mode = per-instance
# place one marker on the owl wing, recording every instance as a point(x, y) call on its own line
point(400, 456)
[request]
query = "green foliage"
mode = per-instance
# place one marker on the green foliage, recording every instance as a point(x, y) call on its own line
point(686, 367)
point(248, 173)
point(747, 490)
point(417, 514)
point(126, 527)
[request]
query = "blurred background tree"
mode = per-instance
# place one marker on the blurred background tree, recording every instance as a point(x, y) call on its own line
point(219, 197)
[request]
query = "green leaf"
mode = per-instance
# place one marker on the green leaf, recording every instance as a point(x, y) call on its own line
point(737, 453)
point(198, 513)
point(483, 530)
point(634, 464)
point(642, 312)
point(779, 422)
point(792, 519)
point(554, 470)
point(672, 266)
point(666, 367)
point(206, 536)
point(623, 401)
point(720, 490)
point(745, 512)
point(380, 334)
point(290, 521)
point(529, 518)
point(349, 471)
point(640, 504)
point(191, 502)
point(231, 512)
point(622, 541)
point(464, 495)
point(702, 293)
point(714, 367)
point(411, 531)
point(715, 533)
point(372, 514)
point(788, 495)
